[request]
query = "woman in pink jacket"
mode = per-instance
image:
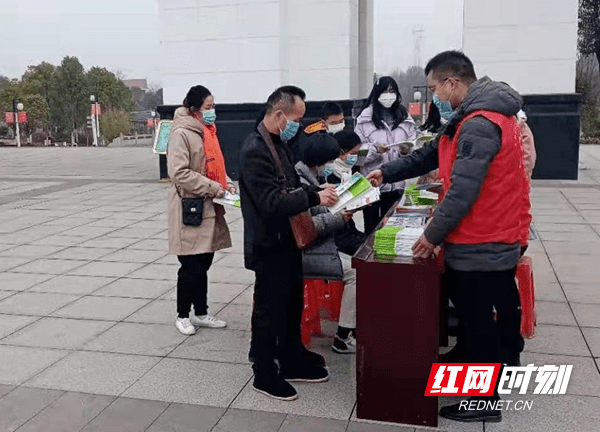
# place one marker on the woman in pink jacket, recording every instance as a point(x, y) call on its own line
point(383, 121)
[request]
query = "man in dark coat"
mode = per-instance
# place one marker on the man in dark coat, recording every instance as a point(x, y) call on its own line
point(270, 249)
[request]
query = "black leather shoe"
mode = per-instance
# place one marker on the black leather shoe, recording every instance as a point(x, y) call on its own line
point(456, 413)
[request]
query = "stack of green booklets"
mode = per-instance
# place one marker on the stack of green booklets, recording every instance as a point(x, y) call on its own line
point(399, 234)
point(415, 196)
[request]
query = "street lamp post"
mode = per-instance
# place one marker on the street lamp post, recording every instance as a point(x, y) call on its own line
point(94, 113)
point(17, 106)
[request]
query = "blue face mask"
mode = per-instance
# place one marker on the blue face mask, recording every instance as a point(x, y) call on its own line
point(327, 171)
point(209, 117)
point(351, 160)
point(290, 131)
point(444, 107)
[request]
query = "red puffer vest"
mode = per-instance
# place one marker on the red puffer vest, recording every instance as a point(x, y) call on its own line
point(500, 213)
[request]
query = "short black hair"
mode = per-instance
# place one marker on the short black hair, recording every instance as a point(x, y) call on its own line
point(319, 149)
point(347, 140)
point(331, 108)
point(284, 97)
point(195, 97)
point(452, 64)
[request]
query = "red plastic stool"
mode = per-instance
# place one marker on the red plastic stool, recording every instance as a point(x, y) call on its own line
point(527, 296)
point(322, 298)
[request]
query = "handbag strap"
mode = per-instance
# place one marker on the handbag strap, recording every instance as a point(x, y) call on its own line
point(264, 133)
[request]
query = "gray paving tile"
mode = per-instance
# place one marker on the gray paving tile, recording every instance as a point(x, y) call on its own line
point(11, 323)
point(332, 399)
point(4, 294)
point(10, 263)
point(552, 414)
point(168, 259)
point(137, 233)
point(224, 293)
point(582, 293)
point(15, 370)
point(221, 345)
point(31, 251)
point(108, 242)
point(70, 412)
point(108, 269)
point(127, 415)
point(58, 333)
point(237, 316)
point(592, 336)
point(82, 253)
point(88, 232)
point(553, 339)
point(5, 389)
point(20, 281)
point(97, 373)
point(584, 380)
point(40, 304)
point(101, 308)
point(149, 244)
point(554, 313)
point(135, 288)
point(156, 271)
point(294, 423)
point(59, 240)
point(226, 275)
point(548, 291)
point(234, 260)
point(587, 314)
point(175, 380)
point(76, 285)
point(49, 266)
point(236, 420)
point(135, 256)
point(566, 236)
point(181, 417)
point(22, 404)
point(131, 338)
point(355, 426)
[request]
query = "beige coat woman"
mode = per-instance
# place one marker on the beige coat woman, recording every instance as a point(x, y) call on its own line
point(187, 168)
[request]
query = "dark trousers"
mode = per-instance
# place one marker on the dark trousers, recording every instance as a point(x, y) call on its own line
point(278, 306)
point(476, 295)
point(192, 284)
point(376, 211)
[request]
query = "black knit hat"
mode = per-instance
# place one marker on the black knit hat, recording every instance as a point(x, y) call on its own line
point(320, 148)
point(347, 140)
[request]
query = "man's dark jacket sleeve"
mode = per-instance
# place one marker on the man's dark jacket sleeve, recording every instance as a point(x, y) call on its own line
point(478, 144)
point(260, 177)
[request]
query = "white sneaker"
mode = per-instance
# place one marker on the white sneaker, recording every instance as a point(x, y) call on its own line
point(185, 326)
point(207, 321)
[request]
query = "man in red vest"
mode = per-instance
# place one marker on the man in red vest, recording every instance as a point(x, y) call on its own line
point(482, 216)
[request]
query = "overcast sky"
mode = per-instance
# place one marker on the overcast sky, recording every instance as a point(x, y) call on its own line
point(123, 35)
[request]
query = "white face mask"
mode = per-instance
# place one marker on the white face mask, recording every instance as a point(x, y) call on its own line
point(333, 129)
point(387, 99)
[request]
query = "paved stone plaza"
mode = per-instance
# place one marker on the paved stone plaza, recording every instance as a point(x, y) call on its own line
point(87, 307)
